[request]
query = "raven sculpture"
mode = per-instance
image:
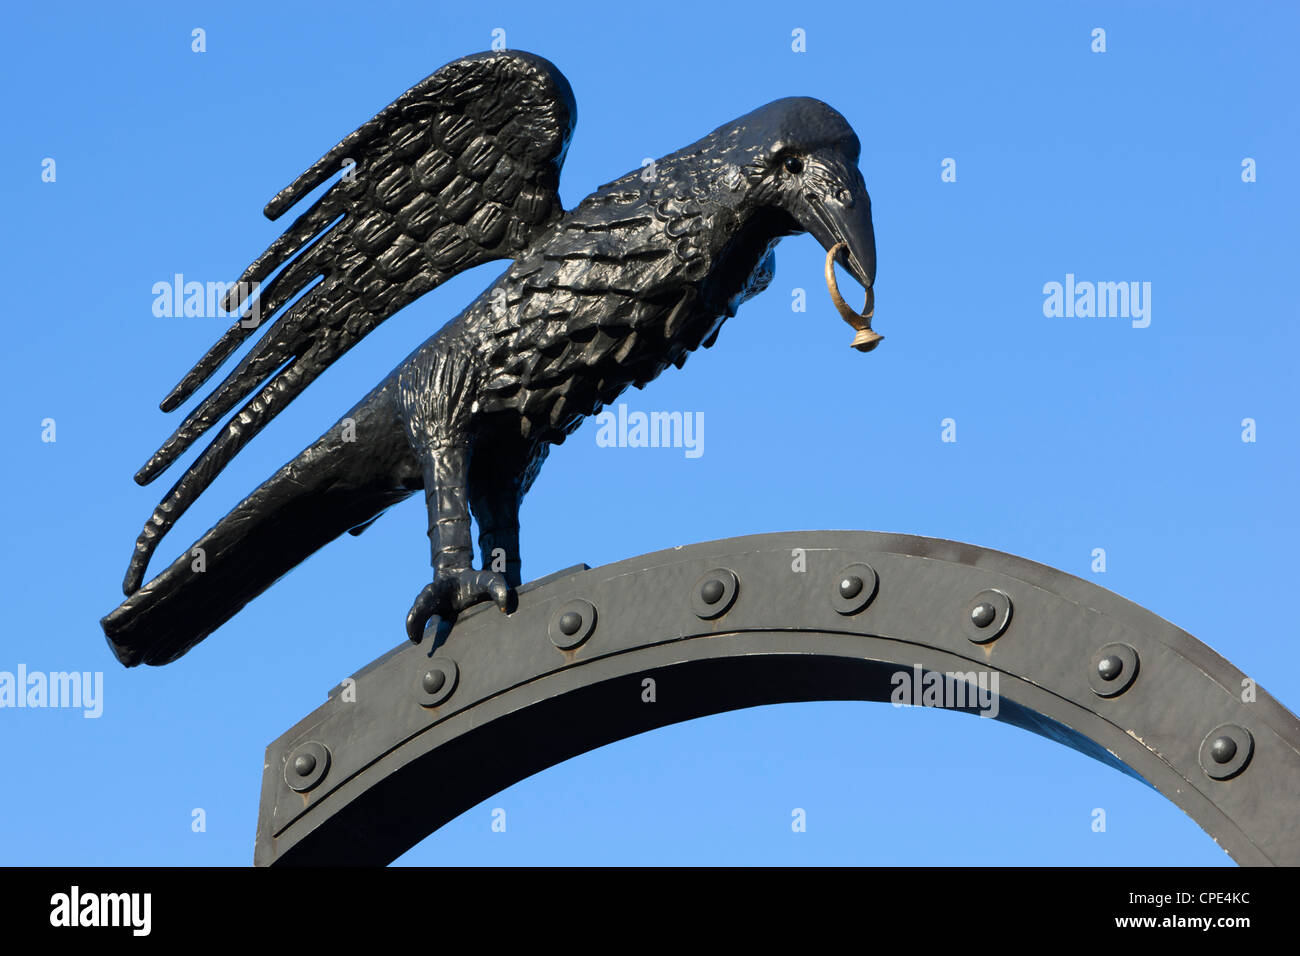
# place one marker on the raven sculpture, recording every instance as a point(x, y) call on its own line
point(460, 170)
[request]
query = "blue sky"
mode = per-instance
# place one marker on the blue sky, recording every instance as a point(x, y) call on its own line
point(1072, 433)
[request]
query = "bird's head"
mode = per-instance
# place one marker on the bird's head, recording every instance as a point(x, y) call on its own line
point(797, 161)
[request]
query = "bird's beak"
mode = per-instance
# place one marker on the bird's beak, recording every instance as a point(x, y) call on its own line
point(836, 209)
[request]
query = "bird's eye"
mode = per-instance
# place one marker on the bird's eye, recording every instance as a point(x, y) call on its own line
point(793, 165)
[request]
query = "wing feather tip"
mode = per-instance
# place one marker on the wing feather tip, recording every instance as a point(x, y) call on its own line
point(148, 472)
point(131, 583)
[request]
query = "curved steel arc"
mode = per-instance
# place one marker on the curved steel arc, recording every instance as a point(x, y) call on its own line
point(595, 655)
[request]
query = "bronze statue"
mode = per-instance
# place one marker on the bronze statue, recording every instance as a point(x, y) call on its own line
point(460, 170)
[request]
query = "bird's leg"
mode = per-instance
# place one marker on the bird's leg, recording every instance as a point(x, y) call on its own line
point(497, 512)
point(456, 585)
point(500, 548)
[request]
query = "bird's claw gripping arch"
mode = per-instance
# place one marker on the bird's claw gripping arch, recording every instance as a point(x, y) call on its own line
point(451, 592)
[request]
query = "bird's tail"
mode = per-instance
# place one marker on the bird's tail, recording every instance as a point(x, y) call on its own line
point(256, 414)
point(348, 477)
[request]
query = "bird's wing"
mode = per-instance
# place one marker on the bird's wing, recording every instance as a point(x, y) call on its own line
point(461, 169)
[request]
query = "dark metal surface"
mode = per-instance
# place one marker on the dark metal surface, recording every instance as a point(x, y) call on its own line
point(462, 169)
point(399, 767)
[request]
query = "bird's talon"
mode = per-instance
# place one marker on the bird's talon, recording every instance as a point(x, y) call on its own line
point(421, 612)
point(452, 592)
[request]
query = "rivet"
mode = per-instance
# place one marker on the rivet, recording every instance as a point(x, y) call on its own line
point(714, 592)
point(1226, 750)
point(1223, 749)
point(987, 615)
point(306, 765)
point(854, 588)
point(1113, 669)
point(438, 681)
point(571, 624)
point(1110, 667)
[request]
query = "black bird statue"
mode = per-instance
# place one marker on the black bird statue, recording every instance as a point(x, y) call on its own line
point(460, 170)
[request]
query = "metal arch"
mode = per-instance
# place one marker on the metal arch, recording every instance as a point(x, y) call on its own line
point(422, 734)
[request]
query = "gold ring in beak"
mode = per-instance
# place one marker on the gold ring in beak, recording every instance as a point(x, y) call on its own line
point(865, 340)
